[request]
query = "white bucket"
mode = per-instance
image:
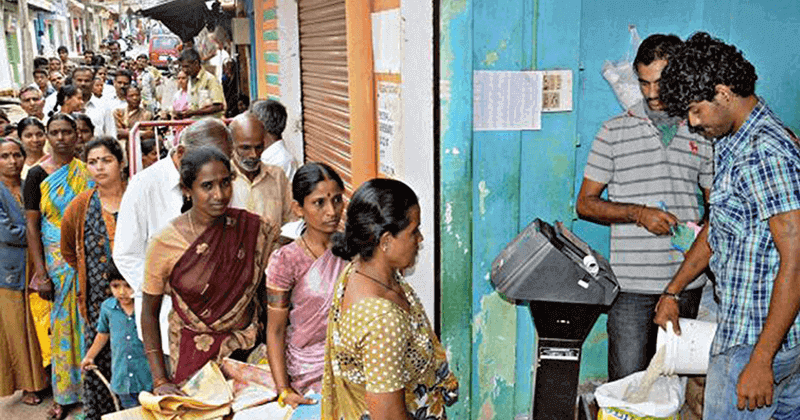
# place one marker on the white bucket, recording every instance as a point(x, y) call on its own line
point(688, 353)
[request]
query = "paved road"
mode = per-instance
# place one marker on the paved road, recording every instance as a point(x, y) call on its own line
point(12, 408)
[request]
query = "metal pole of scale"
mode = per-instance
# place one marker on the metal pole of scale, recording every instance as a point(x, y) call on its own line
point(568, 286)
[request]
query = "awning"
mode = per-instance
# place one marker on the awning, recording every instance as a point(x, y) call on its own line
point(185, 18)
point(41, 4)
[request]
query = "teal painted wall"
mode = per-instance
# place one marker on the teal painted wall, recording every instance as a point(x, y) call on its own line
point(494, 183)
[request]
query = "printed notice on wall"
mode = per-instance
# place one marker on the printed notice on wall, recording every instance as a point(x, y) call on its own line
point(556, 90)
point(389, 127)
point(507, 100)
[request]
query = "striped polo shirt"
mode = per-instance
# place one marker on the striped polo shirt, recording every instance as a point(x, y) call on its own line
point(630, 158)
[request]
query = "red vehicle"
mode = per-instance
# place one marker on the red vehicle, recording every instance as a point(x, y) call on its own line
point(162, 48)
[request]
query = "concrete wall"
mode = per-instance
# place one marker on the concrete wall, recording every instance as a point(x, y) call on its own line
point(494, 183)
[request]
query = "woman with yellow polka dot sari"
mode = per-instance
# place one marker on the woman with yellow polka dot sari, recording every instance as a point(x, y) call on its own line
point(382, 358)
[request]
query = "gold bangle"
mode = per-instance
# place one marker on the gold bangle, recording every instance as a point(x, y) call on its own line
point(282, 396)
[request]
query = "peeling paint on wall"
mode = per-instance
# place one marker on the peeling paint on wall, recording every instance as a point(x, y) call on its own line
point(493, 56)
point(448, 215)
point(493, 334)
point(483, 192)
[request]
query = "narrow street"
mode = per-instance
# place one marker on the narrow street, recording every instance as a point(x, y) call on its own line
point(12, 408)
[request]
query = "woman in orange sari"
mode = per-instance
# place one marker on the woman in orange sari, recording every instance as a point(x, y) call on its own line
point(211, 260)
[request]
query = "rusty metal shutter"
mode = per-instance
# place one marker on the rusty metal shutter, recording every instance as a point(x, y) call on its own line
point(323, 77)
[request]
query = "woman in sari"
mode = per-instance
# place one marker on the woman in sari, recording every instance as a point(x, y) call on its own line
point(382, 358)
point(211, 260)
point(87, 238)
point(31, 133)
point(49, 188)
point(20, 357)
point(300, 279)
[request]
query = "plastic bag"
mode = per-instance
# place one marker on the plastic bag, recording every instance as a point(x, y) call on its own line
point(620, 75)
point(664, 401)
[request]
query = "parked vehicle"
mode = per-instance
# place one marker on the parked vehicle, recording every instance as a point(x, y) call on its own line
point(162, 48)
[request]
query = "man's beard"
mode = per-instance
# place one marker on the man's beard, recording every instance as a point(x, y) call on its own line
point(249, 165)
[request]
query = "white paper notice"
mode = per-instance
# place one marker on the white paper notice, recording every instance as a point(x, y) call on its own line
point(507, 100)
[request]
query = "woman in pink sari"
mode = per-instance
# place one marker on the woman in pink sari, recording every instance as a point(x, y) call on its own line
point(300, 279)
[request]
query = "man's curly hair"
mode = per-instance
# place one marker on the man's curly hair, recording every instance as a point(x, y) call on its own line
point(693, 73)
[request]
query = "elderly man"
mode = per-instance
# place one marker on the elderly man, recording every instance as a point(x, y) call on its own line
point(273, 115)
point(752, 242)
point(652, 166)
point(205, 92)
point(31, 101)
point(56, 80)
point(259, 188)
point(152, 199)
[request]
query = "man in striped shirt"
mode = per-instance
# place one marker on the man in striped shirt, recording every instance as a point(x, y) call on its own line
point(652, 166)
point(752, 242)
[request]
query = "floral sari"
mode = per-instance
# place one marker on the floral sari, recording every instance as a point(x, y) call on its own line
point(66, 324)
point(310, 282)
point(213, 287)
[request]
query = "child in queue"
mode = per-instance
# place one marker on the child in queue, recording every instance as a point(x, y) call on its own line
point(130, 373)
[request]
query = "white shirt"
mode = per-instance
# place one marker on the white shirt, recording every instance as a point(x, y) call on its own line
point(116, 103)
point(152, 199)
point(217, 61)
point(101, 117)
point(108, 92)
point(50, 103)
point(277, 154)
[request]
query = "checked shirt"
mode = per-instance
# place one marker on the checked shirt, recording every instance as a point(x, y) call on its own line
point(757, 176)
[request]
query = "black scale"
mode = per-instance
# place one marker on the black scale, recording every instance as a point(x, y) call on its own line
point(544, 265)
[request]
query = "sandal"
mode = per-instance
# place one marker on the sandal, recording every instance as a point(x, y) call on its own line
point(30, 398)
point(56, 412)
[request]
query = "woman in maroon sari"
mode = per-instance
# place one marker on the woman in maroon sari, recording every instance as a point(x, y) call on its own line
point(211, 260)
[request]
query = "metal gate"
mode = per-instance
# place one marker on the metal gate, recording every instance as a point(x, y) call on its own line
point(324, 82)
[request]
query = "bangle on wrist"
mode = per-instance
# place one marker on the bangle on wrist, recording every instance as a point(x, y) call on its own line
point(675, 296)
point(283, 395)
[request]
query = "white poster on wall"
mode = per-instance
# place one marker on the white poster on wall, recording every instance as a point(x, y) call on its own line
point(386, 45)
point(507, 100)
point(390, 146)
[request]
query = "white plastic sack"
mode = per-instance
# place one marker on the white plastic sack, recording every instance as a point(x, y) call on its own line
point(664, 401)
point(620, 75)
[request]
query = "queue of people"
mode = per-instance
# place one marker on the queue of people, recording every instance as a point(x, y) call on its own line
point(188, 253)
point(84, 227)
